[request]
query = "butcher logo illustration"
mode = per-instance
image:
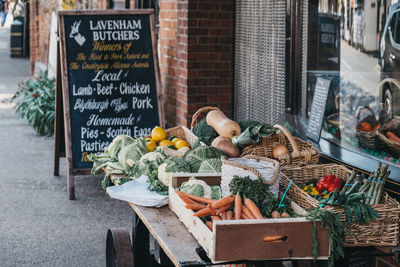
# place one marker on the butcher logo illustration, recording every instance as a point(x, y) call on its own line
point(75, 33)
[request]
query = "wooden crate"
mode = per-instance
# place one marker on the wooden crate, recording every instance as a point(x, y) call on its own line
point(243, 239)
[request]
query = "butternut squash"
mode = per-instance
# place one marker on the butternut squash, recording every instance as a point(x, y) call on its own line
point(222, 125)
point(226, 146)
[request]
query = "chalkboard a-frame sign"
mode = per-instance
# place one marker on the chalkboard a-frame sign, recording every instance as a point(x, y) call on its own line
point(110, 81)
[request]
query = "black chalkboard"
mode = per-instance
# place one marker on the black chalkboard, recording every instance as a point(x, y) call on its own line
point(318, 109)
point(110, 79)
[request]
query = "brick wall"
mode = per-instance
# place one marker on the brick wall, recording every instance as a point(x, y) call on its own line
point(205, 57)
point(168, 58)
point(196, 57)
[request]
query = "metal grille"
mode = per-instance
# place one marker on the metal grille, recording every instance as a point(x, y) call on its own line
point(259, 84)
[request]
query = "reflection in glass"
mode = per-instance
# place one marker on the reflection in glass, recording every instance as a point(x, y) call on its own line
point(355, 44)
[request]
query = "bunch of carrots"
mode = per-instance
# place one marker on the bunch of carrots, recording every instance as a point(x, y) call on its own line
point(220, 209)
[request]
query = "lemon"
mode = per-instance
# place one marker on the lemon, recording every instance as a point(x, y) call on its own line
point(181, 143)
point(158, 134)
point(150, 144)
point(166, 142)
point(176, 139)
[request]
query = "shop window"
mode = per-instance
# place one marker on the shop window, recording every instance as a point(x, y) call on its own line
point(354, 47)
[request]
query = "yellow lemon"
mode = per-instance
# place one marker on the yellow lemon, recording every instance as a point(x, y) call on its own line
point(181, 143)
point(150, 144)
point(166, 142)
point(158, 134)
point(176, 139)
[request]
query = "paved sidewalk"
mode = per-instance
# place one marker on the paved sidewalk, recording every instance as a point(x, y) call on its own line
point(38, 225)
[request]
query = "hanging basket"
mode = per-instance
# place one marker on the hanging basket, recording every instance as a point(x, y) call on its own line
point(367, 139)
point(268, 170)
point(300, 152)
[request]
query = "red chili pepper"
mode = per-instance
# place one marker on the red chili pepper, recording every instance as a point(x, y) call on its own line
point(329, 182)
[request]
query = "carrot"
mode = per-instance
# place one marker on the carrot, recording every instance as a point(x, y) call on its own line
point(244, 216)
point(229, 215)
point(238, 206)
point(223, 202)
point(393, 137)
point(195, 206)
point(184, 198)
point(273, 238)
point(209, 225)
point(253, 208)
point(212, 210)
point(202, 213)
point(224, 208)
point(223, 215)
point(200, 199)
point(248, 213)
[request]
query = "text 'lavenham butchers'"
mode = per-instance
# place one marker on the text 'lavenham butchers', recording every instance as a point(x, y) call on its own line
point(115, 30)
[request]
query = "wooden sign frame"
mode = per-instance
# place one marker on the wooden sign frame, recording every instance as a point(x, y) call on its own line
point(64, 84)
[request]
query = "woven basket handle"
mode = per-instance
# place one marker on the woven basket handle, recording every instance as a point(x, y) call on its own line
point(337, 99)
point(364, 108)
point(196, 116)
point(296, 151)
point(255, 171)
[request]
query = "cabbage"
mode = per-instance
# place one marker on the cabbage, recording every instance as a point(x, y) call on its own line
point(147, 164)
point(200, 188)
point(117, 144)
point(196, 156)
point(131, 153)
point(171, 165)
point(211, 165)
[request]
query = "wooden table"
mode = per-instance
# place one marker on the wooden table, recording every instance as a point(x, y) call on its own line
point(170, 241)
point(160, 239)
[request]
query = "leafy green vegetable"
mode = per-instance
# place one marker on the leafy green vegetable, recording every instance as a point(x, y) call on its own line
point(259, 192)
point(195, 157)
point(200, 188)
point(252, 134)
point(211, 165)
point(117, 144)
point(36, 103)
point(216, 192)
point(205, 132)
point(246, 124)
point(171, 165)
point(330, 221)
point(156, 185)
point(147, 164)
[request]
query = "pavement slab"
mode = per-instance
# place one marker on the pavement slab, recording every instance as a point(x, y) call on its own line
point(39, 226)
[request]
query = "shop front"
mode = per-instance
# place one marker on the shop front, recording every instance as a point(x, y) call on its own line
point(261, 102)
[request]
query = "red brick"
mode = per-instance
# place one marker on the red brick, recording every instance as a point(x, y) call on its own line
point(168, 15)
point(165, 5)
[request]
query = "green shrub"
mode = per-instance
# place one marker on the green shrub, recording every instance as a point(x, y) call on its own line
point(36, 103)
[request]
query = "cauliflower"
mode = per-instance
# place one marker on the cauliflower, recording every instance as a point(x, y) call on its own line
point(163, 176)
point(152, 156)
point(196, 187)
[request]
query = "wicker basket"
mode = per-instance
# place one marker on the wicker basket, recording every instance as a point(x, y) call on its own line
point(199, 114)
point(300, 152)
point(268, 170)
point(367, 139)
point(182, 132)
point(382, 232)
point(394, 126)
